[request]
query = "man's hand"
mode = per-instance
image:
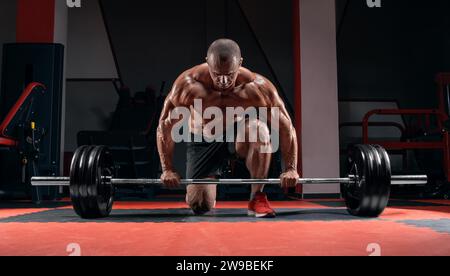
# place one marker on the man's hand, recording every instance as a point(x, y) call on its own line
point(289, 179)
point(171, 179)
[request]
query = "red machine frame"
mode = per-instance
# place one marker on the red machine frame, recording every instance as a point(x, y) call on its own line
point(4, 139)
point(443, 81)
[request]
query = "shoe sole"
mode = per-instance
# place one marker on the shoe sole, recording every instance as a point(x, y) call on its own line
point(253, 214)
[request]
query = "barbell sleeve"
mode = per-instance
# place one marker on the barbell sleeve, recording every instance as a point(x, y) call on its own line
point(45, 181)
point(409, 180)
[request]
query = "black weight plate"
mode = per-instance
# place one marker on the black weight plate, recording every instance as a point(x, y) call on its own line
point(75, 180)
point(105, 192)
point(83, 184)
point(368, 197)
point(352, 192)
point(91, 180)
point(358, 195)
point(369, 175)
point(345, 187)
point(74, 194)
point(91, 184)
point(385, 181)
point(378, 175)
point(99, 195)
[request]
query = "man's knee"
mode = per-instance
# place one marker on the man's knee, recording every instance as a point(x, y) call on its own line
point(256, 139)
point(201, 198)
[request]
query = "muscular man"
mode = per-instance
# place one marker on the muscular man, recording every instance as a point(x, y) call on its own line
point(222, 82)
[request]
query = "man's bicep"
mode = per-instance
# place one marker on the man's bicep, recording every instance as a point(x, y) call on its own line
point(278, 103)
point(172, 100)
point(274, 99)
point(175, 107)
point(167, 109)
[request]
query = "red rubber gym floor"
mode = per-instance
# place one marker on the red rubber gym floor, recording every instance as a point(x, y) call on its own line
point(313, 227)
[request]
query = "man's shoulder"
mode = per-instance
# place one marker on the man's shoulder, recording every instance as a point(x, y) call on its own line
point(187, 86)
point(262, 87)
point(192, 76)
point(259, 82)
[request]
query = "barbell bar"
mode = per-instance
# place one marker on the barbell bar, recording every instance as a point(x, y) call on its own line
point(395, 180)
point(366, 189)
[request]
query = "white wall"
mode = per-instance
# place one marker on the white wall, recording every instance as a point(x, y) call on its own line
point(60, 30)
point(60, 36)
point(319, 93)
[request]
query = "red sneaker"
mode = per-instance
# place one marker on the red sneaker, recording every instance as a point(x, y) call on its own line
point(260, 207)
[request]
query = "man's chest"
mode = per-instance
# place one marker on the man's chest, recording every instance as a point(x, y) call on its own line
point(238, 98)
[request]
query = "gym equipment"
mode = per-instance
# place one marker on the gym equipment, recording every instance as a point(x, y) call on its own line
point(365, 190)
point(21, 139)
point(36, 68)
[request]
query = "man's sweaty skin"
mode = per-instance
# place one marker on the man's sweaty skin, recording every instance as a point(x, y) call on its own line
point(225, 83)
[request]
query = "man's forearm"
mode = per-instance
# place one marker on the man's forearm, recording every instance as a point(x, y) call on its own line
point(289, 148)
point(166, 147)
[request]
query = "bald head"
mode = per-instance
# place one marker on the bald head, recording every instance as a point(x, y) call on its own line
point(224, 50)
point(224, 60)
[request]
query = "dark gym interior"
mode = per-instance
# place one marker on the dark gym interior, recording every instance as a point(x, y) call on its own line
point(350, 74)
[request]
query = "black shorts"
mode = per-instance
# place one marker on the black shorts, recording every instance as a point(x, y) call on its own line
point(205, 159)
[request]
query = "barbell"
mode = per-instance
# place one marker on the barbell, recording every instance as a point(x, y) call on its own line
point(366, 189)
